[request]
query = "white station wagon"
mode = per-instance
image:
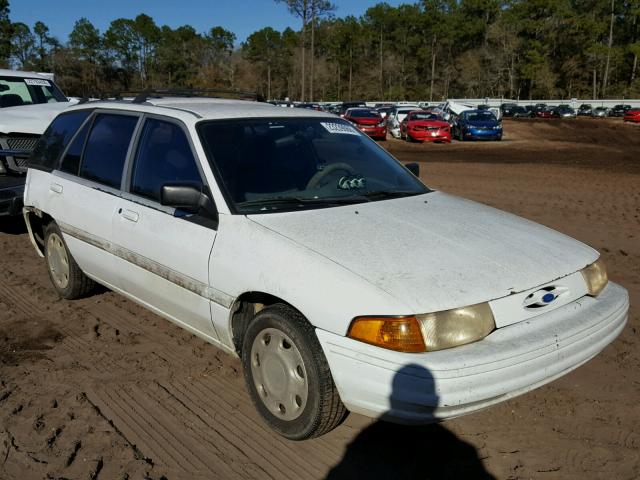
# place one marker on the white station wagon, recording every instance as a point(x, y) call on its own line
point(290, 239)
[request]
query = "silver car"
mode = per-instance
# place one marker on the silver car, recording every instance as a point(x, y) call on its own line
point(600, 112)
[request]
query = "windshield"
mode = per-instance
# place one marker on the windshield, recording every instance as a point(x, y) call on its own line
point(16, 91)
point(423, 116)
point(363, 114)
point(482, 116)
point(270, 165)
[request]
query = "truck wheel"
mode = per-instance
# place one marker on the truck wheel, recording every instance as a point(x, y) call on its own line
point(288, 376)
point(65, 274)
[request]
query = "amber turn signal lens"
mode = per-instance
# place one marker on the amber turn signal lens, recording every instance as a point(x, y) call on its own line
point(395, 333)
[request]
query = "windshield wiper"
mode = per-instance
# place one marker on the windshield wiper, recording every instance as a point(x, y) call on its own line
point(381, 194)
point(303, 201)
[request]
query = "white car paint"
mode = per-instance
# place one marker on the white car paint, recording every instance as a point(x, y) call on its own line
point(30, 119)
point(405, 256)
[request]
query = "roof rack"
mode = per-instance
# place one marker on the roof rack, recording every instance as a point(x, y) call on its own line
point(141, 96)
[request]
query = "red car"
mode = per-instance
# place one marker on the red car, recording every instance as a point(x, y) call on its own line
point(545, 113)
point(632, 115)
point(423, 126)
point(368, 121)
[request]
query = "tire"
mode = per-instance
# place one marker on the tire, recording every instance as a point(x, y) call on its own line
point(65, 274)
point(267, 365)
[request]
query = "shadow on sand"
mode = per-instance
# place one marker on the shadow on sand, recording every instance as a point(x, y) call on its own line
point(389, 451)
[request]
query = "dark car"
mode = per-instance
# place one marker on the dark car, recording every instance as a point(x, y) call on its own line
point(619, 110)
point(584, 110)
point(520, 112)
point(508, 109)
point(310, 106)
point(347, 105)
point(565, 111)
point(477, 125)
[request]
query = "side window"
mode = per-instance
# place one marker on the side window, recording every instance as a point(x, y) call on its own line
point(164, 156)
point(55, 139)
point(71, 161)
point(106, 149)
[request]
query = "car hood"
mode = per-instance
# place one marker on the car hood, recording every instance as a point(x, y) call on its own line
point(482, 123)
point(366, 120)
point(32, 119)
point(428, 123)
point(435, 251)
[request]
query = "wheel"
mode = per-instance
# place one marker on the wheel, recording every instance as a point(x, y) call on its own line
point(65, 274)
point(288, 376)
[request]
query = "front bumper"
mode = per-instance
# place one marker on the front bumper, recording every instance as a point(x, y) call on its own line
point(11, 195)
point(374, 132)
point(428, 387)
point(483, 134)
point(430, 135)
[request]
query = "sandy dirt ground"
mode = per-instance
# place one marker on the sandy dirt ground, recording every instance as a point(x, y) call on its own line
point(101, 388)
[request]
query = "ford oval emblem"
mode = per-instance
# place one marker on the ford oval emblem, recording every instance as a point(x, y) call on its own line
point(543, 297)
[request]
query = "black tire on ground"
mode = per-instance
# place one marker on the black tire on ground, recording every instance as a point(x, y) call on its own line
point(77, 284)
point(323, 410)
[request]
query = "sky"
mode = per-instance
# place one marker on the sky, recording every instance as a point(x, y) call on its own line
point(242, 17)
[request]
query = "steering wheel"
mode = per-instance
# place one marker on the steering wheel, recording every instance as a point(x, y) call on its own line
point(318, 176)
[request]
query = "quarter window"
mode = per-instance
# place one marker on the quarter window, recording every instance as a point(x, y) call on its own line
point(164, 156)
point(106, 149)
point(55, 140)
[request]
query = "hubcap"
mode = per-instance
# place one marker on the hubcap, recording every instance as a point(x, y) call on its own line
point(57, 260)
point(279, 374)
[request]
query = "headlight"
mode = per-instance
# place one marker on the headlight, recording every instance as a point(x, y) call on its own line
point(425, 333)
point(459, 326)
point(382, 123)
point(595, 275)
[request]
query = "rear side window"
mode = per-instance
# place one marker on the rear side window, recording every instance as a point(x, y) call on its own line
point(55, 139)
point(106, 148)
point(164, 156)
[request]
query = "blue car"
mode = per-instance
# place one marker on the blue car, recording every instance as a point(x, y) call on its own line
point(477, 125)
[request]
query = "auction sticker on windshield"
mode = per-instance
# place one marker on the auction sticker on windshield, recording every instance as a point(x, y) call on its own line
point(36, 82)
point(339, 128)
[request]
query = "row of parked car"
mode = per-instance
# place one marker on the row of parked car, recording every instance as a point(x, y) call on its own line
point(423, 124)
point(542, 110)
point(292, 241)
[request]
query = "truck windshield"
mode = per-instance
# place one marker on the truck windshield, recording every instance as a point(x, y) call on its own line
point(276, 164)
point(17, 91)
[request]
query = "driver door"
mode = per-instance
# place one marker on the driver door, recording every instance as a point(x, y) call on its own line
point(164, 258)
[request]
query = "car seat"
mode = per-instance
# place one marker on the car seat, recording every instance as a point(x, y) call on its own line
point(10, 100)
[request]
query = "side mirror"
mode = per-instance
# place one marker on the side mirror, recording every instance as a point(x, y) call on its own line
point(413, 168)
point(189, 198)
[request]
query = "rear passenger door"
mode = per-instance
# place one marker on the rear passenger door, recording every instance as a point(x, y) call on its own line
point(164, 251)
point(84, 191)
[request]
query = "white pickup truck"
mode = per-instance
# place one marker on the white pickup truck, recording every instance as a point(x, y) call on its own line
point(28, 103)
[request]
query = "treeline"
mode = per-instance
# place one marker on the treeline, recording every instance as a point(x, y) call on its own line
point(430, 49)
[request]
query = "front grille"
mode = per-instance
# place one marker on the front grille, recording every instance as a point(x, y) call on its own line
point(22, 143)
point(18, 164)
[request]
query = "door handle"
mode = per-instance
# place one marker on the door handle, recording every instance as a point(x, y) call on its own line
point(130, 215)
point(56, 188)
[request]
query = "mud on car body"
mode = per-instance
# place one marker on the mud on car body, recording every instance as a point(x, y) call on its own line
point(28, 103)
point(289, 238)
